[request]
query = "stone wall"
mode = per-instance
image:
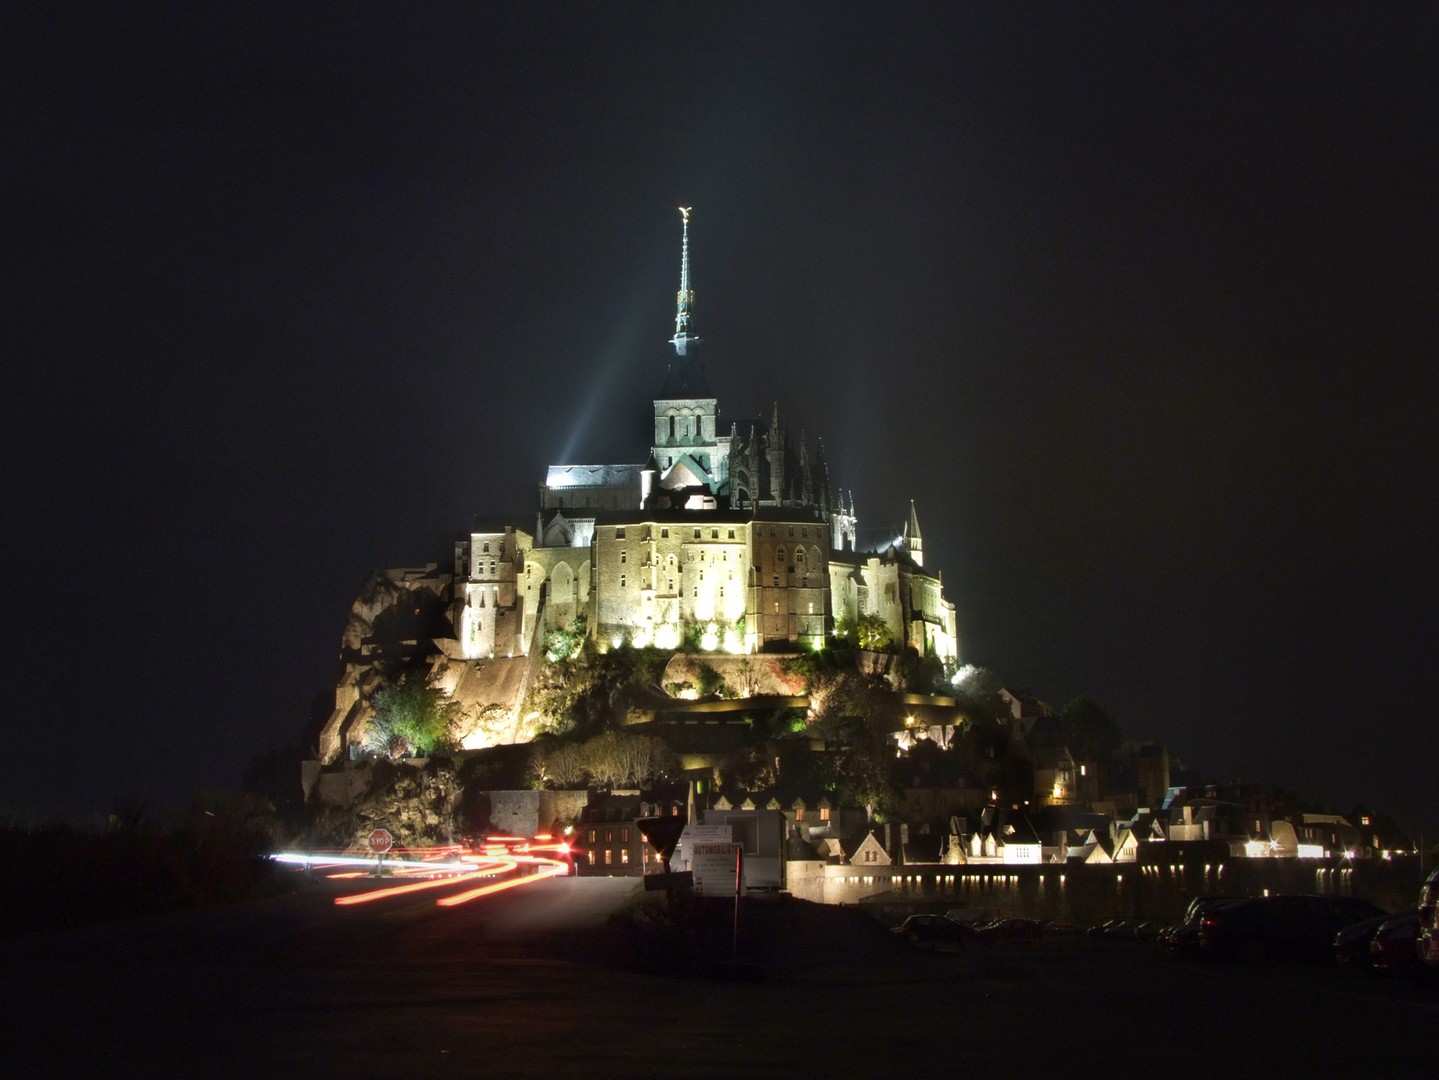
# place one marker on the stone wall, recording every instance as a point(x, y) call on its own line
point(526, 812)
point(1090, 894)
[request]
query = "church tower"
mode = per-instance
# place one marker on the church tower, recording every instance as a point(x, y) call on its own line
point(687, 450)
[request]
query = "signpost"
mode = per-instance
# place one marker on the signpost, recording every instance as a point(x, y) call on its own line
point(380, 841)
point(663, 833)
point(719, 869)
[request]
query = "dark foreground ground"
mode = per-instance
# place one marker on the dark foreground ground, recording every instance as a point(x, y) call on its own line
point(531, 983)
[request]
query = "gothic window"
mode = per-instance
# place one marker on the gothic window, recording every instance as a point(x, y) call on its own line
point(799, 555)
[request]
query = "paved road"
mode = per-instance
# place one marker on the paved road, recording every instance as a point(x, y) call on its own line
point(298, 987)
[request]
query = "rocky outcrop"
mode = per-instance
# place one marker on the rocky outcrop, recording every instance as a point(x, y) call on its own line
point(417, 801)
point(402, 605)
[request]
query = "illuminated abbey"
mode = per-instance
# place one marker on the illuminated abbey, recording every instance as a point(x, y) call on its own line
point(733, 538)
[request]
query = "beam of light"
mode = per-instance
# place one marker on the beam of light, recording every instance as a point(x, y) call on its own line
point(299, 859)
point(555, 869)
point(347, 874)
point(413, 887)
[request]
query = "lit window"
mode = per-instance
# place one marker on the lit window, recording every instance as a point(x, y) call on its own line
point(609, 836)
point(591, 857)
point(625, 834)
point(824, 813)
point(609, 856)
point(799, 813)
point(624, 856)
point(592, 836)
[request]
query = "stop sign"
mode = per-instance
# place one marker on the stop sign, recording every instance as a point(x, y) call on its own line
point(381, 841)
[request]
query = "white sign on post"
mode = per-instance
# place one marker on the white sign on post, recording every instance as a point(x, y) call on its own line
point(716, 868)
point(694, 834)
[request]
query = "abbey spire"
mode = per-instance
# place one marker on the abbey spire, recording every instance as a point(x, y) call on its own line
point(685, 378)
point(684, 302)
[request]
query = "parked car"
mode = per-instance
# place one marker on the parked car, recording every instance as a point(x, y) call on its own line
point(1351, 945)
point(1427, 945)
point(1183, 939)
point(933, 930)
point(1394, 944)
point(1010, 931)
point(1280, 927)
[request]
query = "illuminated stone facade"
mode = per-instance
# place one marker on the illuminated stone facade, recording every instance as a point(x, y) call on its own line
point(732, 539)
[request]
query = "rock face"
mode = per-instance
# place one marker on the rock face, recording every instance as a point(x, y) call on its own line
point(401, 621)
point(408, 605)
point(397, 616)
point(417, 801)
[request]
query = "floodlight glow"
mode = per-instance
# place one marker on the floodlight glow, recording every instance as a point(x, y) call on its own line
point(963, 675)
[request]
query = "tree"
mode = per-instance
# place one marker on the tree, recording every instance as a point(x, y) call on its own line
point(874, 634)
point(412, 717)
point(1090, 733)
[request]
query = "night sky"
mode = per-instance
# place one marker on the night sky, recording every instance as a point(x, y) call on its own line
point(1136, 303)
